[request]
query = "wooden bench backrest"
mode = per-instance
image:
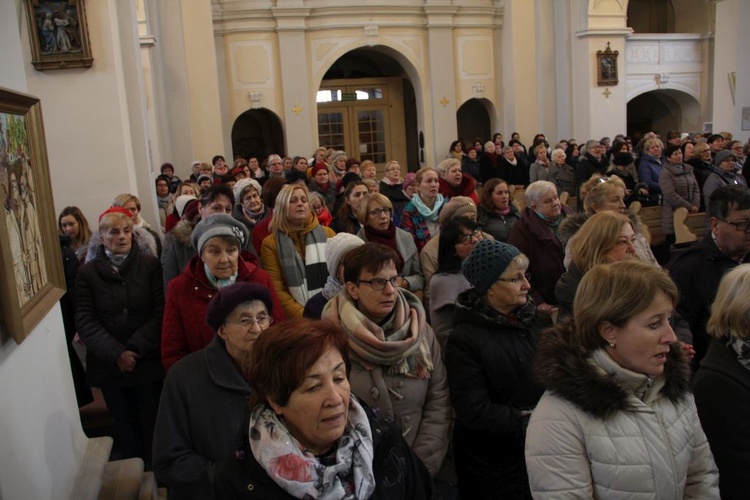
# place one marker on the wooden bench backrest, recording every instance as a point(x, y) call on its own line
point(651, 219)
point(689, 227)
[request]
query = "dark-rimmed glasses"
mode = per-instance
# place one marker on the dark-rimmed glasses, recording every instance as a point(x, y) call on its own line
point(465, 239)
point(517, 279)
point(742, 226)
point(378, 284)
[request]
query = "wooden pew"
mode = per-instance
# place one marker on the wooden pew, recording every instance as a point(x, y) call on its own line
point(651, 219)
point(689, 227)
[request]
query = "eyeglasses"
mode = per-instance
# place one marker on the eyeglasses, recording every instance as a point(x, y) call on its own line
point(248, 323)
point(378, 284)
point(377, 212)
point(517, 279)
point(742, 226)
point(465, 239)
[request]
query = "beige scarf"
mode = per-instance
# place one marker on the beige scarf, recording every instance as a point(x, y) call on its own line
point(403, 348)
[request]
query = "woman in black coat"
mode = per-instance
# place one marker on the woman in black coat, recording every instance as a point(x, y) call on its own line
point(119, 306)
point(722, 383)
point(488, 357)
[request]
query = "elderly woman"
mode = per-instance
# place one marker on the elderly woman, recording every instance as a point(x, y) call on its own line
point(133, 205)
point(537, 236)
point(420, 217)
point(495, 213)
point(309, 436)
point(392, 186)
point(346, 220)
point(249, 208)
point(220, 262)
point(540, 169)
point(722, 384)
point(562, 173)
point(488, 163)
point(453, 182)
point(294, 252)
point(338, 167)
point(319, 209)
point(368, 170)
point(724, 174)
point(398, 369)
point(320, 183)
point(375, 212)
point(650, 168)
point(600, 194)
point(456, 241)
point(512, 170)
point(618, 397)
point(470, 164)
point(605, 237)
point(679, 189)
point(204, 401)
point(488, 358)
point(702, 163)
point(174, 210)
point(119, 301)
point(73, 224)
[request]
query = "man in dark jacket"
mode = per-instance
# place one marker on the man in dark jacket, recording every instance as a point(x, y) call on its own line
point(589, 164)
point(698, 268)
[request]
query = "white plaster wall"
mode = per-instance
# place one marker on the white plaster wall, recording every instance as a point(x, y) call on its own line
point(41, 441)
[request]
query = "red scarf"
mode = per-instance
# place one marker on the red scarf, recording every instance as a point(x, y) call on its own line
point(387, 238)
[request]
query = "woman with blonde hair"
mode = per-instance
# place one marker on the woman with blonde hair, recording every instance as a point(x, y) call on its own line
point(294, 253)
point(605, 237)
point(453, 182)
point(650, 168)
point(599, 194)
point(722, 383)
point(617, 419)
point(420, 217)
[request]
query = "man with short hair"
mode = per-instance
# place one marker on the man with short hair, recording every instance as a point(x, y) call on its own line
point(590, 163)
point(698, 268)
point(178, 248)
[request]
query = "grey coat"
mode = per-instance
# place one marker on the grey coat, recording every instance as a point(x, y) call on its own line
point(204, 404)
point(679, 189)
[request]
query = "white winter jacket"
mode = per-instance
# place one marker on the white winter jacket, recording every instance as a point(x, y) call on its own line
point(601, 431)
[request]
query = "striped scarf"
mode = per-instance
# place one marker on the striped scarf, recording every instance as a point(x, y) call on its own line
point(303, 278)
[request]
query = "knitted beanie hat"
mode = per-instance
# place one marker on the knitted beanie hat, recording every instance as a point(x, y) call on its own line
point(723, 155)
point(337, 247)
point(229, 297)
point(181, 201)
point(318, 167)
point(486, 262)
point(190, 212)
point(241, 184)
point(349, 177)
point(218, 225)
point(350, 163)
point(409, 179)
point(458, 206)
point(204, 177)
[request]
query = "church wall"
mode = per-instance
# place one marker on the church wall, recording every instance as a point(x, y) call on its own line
point(41, 442)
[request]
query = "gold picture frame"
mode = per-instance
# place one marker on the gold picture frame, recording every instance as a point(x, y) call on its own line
point(31, 276)
point(58, 34)
point(606, 67)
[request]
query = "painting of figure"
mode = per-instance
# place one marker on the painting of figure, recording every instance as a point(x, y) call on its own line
point(22, 221)
point(59, 35)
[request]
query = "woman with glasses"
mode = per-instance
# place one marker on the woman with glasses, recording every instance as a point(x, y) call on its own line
point(204, 400)
point(220, 262)
point(605, 237)
point(488, 358)
point(376, 215)
point(455, 243)
point(397, 367)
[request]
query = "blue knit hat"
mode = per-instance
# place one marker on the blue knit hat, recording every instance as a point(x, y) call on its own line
point(487, 261)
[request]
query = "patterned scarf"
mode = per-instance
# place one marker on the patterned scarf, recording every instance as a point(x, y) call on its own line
point(430, 214)
point(387, 238)
point(402, 349)
point(254, 217)
point(300, 473)
point(741, 346)
point(218, 283)
point(304, 278)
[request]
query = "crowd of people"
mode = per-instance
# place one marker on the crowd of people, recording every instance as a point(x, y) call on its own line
point(498, 326)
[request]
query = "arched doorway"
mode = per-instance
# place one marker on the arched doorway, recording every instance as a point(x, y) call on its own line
point(367, 107)
point(473, 120)
point(258, 133)
point(663, 110)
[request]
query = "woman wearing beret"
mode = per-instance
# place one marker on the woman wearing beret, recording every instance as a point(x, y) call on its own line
point(488, 358)
point(204, 401)
point(220, 262)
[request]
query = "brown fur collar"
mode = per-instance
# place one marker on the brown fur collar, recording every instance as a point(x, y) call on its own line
point(182, 232)
point(564, 369)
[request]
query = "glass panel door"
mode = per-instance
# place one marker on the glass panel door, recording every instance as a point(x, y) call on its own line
point(371, 132)
point(332, 128)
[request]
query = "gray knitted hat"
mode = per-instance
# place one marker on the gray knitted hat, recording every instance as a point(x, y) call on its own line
point(487, 261)
point(337, 247)
point(218, 225)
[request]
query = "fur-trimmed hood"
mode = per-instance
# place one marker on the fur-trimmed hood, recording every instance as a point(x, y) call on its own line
point(570, 372)
point(183, 232)
point(146, 243)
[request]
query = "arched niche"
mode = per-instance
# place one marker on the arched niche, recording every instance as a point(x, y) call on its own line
point(663, 110)
point(474, 119)
point(258, 133)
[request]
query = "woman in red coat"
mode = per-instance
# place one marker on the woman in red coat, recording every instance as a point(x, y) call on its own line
point(220, 262)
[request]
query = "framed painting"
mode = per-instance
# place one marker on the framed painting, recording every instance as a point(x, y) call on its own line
point(58, 34)
point(31, 275)
point(606, 67)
